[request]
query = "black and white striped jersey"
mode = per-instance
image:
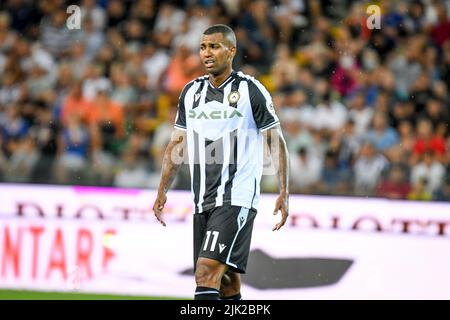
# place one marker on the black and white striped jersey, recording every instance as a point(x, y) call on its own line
point(225, 146)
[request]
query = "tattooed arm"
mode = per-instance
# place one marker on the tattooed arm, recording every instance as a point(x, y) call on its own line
point(280, 156)
point(171, 162)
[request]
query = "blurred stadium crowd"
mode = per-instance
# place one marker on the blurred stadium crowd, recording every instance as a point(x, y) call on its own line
point(365, 112)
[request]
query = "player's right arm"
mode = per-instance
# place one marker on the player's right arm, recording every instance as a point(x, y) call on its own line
point(173, 155)
point(170, 165)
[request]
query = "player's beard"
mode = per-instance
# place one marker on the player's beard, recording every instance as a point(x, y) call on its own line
point(217, 71)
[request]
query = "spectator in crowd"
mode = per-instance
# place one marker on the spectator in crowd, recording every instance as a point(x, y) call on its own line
point(402, 110)
point(440, 33)
point(73, 150)
point(405, 144)
point(443, 193)
point(334, 179)
point(430, 170)
point(184, 66)
point(435, 112)
point(106, 120)
point(7, 36)
point(115, 12)
point(131, 173)
point(421, 92)
point(22, 161)
point(90, 9)
point(427, 141)
point(381, 135)
point(395, 186)
point(155, 62)
point(368, 169)
point(107, 131)
point(347, 144)
point(330, 115)
point(144, 111)
point(45, 133)
point(123, 93)
point(39, 80)
point(55, 36)
point(3, 161)
point(419, 192)
point(78, 58)
point(284, 68)
point(444, 66)
point(343, 80)
point(259, 23)
point(95, 104)
point(297, 135)
point(306, 170)
point(75, 104)
point(92, 39)
point(10, 91)
point(360, 113)
point(14, 127)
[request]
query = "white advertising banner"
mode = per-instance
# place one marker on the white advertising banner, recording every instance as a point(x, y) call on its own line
point(106, 240)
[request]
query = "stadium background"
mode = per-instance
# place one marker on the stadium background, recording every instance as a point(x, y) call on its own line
point(365, 112)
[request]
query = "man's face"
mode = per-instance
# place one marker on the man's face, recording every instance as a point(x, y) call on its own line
point(216, 53)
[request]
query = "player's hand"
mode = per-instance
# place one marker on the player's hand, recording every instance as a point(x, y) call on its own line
point(282, 204)
point(158, 206)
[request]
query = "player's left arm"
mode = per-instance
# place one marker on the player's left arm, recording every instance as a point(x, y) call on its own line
point(280, 157)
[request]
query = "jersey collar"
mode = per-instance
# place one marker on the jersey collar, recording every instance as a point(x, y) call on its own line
point(223, 84)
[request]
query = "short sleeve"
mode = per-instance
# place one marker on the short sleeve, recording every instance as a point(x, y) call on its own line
point(180, 121)
point(262, 106)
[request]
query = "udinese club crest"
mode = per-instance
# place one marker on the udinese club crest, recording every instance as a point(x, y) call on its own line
point(233, 97)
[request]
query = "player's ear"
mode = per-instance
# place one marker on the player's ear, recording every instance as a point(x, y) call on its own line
point(232, 51)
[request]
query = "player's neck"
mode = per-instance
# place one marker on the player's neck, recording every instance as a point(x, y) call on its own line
point(217, 80)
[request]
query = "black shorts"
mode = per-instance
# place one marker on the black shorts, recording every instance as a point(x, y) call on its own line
point(224, 234)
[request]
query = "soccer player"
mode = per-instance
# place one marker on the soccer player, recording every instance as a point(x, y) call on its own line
point(223, 120)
